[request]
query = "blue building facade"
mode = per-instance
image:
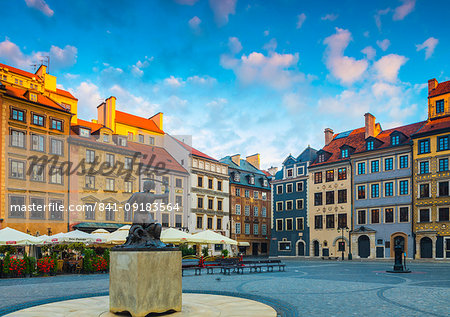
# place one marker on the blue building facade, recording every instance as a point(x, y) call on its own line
point(290, 228)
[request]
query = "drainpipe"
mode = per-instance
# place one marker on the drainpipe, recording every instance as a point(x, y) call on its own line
point(351, 212)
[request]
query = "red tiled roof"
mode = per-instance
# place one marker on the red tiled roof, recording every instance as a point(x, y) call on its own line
point(41, 99)
point(195, 151)
point(267, 173)
point(161, 156)
point(435, 124)
point(19, 71)
point(140, 122)
point(89, 124)
point(441, 88)
point(65, 93)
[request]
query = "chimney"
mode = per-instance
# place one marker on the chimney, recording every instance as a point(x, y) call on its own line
point(273, 170)
point(432, 84)
point(370, 125)
point(106, 113)
point(158, 120)
point(254, 160)
point(328, 135)
point(236, 159)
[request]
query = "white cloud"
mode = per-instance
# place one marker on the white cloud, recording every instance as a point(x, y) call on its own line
point(378, 16)
point(201, 80)
point(131, 103)
point(222, 9)
point(300, 20)
point(111, 71)
point(266, 33)
point(403, 10)
point(89, 98)
point(40, 5)
point(429, 45)
point(70, 76)
point(275, 70)
point(271, 45)
point(234, 45)
point(366, 34)
point(388, 66)
point(174, 81)
point(59, 57)
point(186, 2)
point(381, 89)
point(384, 44)
point(294, 102)
point(194, 24)
point(370, 52)
point(346, 69)
point(329, 17)
point(137, 69)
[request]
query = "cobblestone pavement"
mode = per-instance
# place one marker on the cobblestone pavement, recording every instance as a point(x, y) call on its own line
point(307, 288)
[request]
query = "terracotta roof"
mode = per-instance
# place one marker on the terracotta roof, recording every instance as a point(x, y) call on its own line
point(161, 155)
point(41, 99)
point(65, 93)
point(441, 88)
point(140, 122)
point(434, 125)
point(195, 151)
point(89, 124)
point(267, 173)
point(19, 71)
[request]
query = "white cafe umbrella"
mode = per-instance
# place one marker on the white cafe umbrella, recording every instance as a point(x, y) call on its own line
point(211, 237)
point(75, 236)
point(10, 236)
point(119, 236)
point(172, 235)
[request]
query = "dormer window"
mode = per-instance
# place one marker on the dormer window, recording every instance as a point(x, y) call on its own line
point(251, 179)
point(290, 172)
point(344, 153)
point(236, 177)
point(440, 106)
point(85, 132)
point(141, 138)
point(33, 97)
point(106, 138)
point(321, 158)
point(265, 183)
point(121, 141)
point(395, 140)
point(369, 145)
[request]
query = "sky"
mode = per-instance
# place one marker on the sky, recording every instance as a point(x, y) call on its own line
point(241, 77)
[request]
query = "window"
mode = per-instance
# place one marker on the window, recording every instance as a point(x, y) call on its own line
point(37, 120)
point(236, 177)
point(300, 171)
point(178, 221)
point(56, 209)
point(389, 189)
point(362, 168)
point(37, 142)
point(210, 203)
point(424, 190)
point(444, 214)
point(37, 212)
point(289, 205)
point(440, 106)
point(263, 212)
point(424, 146)
point(130, 136)
point(237, 227)
point(238, 192)
point(424, 167)
point(128, 163)
point(17, 169)
point(110, 184)
point(443, 165)
point(219, 185)
point(317, 177)
point(443, 188)
point(404, 190)
point(90, 156)
point(251, 180)
point(424, 215)
point(247, 193)
point(375, 166)
point(279, 189)
point(179, 200)
point(279, 224)
point(110, 160)
point(289, 225)
point(342, 173)
point(342, 220)
point(18, 138)
point(330, 221)
point(109, 213)
point(289, 188)
point(317, 199)
point(264, 196)
point(247, 210)
point(330, 175)
point(369, 145)
point(165, 220)
point(279, 206)
point(219, 205)
point(210, 183)
point(395, 140)
point(199, 222)
point(151, 140)
point(389, 215)
point(404, 214)
point(17, 206)
point(300, 186)
point(375, 216)
point(300, 224)
point(375, 190)
point(299, 203)
point(264, 229)
point(247, 228)
point(321, 158)
point(141, 138)
point(56, 175)
point(284, 246)
point(344, 153)
point(290, 172)
point(255, 229)
point(362, 192)
point(341, 246)
point(442, 143)
point(342, 196)
point(56, 124)
point(209, 223)
point(265, 182)
point(255, 211)
point(388, 164)
point(403, 161)
point(56, 147)
point(90, 181)
point(37, 173)
point(318, 222)
point(129, 187)
point(18, 115)
point(361, 217)
point(200, 181)
point(18, 82)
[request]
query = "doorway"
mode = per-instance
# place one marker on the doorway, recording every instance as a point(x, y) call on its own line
point(364, 247)
point(301, 248)
point(426, 246)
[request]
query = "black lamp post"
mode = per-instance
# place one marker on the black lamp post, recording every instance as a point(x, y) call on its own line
point(341, 230)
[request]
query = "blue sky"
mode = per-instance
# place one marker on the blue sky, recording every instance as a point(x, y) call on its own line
point(240, 76)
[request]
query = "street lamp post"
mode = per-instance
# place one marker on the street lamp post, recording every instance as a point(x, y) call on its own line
point(341, 231)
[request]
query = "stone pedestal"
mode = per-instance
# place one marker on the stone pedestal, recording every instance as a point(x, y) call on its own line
point(143, 282)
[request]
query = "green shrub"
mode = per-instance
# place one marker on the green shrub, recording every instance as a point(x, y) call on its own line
point(106, 257)
point(87, 261)
point(6, 264)
point(205, 251)
point(186, 250)
point(225, 253)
